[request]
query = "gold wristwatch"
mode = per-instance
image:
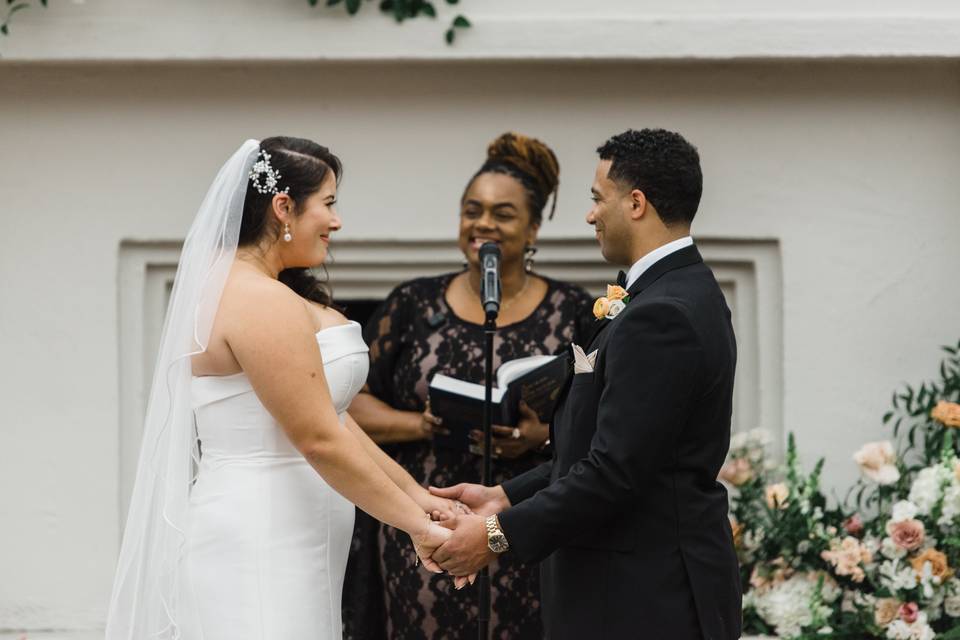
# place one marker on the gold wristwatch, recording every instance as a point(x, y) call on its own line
point(495, 538)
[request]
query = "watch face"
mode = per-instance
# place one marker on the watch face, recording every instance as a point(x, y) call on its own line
point(498, 543)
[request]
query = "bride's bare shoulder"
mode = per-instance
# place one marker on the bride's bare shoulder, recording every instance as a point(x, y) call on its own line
point(250, 298)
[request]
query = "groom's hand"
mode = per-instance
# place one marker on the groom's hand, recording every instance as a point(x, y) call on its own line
point(466, 552)
point(485, 501)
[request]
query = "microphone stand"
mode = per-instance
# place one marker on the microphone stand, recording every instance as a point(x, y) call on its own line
point(483, 581)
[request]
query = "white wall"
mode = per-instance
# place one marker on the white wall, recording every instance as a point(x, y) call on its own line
point(567, 29)
point(850, 166)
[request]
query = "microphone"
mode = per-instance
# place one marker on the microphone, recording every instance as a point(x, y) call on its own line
point(490, 278)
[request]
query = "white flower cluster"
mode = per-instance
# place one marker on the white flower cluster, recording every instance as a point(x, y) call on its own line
point(927, 488)
point(951, 604)
point(896, 578)
point(270, 176)
point(789, 607)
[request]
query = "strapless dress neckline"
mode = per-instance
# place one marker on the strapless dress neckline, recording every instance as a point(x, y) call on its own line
point(353, 325)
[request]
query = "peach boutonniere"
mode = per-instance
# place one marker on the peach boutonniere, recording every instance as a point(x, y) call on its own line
point(610, 305)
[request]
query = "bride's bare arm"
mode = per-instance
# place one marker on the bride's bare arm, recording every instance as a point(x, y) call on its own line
point(436, 505)
point(271, 334)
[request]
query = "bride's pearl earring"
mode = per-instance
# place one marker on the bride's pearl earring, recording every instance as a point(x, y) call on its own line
point(287, 237)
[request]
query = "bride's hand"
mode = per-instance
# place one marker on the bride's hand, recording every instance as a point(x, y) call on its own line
point(427, 541)
point(440, 508)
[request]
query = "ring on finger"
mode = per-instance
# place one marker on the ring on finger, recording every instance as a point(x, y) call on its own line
point(515, 434)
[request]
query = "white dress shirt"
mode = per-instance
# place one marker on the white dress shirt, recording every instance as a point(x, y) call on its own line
point(655, 256)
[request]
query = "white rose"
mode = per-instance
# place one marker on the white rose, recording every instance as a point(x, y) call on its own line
point(616, 306)
point(878, 462)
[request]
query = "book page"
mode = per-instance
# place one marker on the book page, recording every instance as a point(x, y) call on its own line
point(510, 371)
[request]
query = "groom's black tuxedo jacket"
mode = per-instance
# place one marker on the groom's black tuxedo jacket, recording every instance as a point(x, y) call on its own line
point(628, 519)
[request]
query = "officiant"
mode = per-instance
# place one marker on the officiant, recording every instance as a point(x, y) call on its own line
point(434, 325)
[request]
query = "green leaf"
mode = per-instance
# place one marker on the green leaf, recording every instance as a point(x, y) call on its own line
point(353, 6)
point(887, 416)
point(461, 22)
point(15, 8)
point(330, 3)
point(312, 3)
point(452, 1)
point(4, 30)
point(450, 35)
point(428, 9)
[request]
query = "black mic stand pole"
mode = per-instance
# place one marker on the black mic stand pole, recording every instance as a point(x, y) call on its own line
point(483, 581)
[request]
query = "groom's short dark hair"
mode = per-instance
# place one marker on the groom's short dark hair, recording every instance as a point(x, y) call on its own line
point(661, 164)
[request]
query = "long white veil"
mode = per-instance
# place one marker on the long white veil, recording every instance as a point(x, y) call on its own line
point(147, 600)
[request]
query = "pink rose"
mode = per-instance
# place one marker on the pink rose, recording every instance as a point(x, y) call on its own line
point(906, 534)
point(853, 525)
point(909, 612)
point(736, 472)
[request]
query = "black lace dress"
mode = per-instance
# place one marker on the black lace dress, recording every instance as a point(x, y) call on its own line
point(412, 336)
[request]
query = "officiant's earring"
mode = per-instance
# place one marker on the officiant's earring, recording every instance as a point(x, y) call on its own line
point(287, 237)
point(528, 253)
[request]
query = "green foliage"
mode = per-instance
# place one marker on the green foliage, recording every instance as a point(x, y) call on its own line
point(401, 10)
point(923, 441)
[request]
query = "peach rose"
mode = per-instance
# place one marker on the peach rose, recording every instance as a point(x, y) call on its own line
point(878, 462)
point(615, 292)
point(938, 564)
point(956, 470)
point(736, 472)
point(908, 612)
point(846, 556)
point(885, 611)
point(947, 412)
point(737, 529)
point(601, 307)
point(906, 534)
point(776, 495)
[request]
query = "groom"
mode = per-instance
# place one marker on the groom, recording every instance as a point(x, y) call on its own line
point(628, 519)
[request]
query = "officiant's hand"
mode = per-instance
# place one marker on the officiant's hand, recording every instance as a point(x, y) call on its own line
point(485, 501)
point(466, 552)
point(430, 424)
point(513, 442)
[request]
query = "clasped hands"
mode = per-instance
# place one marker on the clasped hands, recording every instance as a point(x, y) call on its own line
point(461, 510)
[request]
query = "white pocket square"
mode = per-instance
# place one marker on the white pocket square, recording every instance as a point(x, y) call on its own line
point(582, 362)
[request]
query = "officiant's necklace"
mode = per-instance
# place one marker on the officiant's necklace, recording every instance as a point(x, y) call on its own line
point(509, 301)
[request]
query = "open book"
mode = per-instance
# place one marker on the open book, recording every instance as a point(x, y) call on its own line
point(537, 380)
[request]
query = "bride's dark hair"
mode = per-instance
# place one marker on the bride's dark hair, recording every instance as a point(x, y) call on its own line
point(302, 165)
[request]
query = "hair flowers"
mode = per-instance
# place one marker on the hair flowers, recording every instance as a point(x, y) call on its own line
point(610, 305)
point(270, 176)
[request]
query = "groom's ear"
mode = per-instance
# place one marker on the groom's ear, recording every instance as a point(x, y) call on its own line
point(638, 204)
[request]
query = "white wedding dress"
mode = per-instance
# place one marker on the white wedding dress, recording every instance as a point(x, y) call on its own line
point(267, 539)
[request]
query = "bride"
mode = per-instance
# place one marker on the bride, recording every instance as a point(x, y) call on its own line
point(242, 512)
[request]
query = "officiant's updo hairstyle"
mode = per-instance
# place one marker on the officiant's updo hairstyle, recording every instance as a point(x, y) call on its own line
point(529, 161)
point(303, 165)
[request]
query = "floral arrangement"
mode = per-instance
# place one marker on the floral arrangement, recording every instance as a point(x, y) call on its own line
point(882, 563)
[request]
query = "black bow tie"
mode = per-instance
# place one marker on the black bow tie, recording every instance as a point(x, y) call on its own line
point(622, 280)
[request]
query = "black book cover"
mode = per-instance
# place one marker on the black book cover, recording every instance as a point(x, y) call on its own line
point(460, 403)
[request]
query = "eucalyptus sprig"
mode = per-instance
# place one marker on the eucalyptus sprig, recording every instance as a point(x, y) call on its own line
point(13, 6)
point(402, 10)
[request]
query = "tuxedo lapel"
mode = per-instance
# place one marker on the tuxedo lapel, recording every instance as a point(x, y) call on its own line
point(676, 260)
